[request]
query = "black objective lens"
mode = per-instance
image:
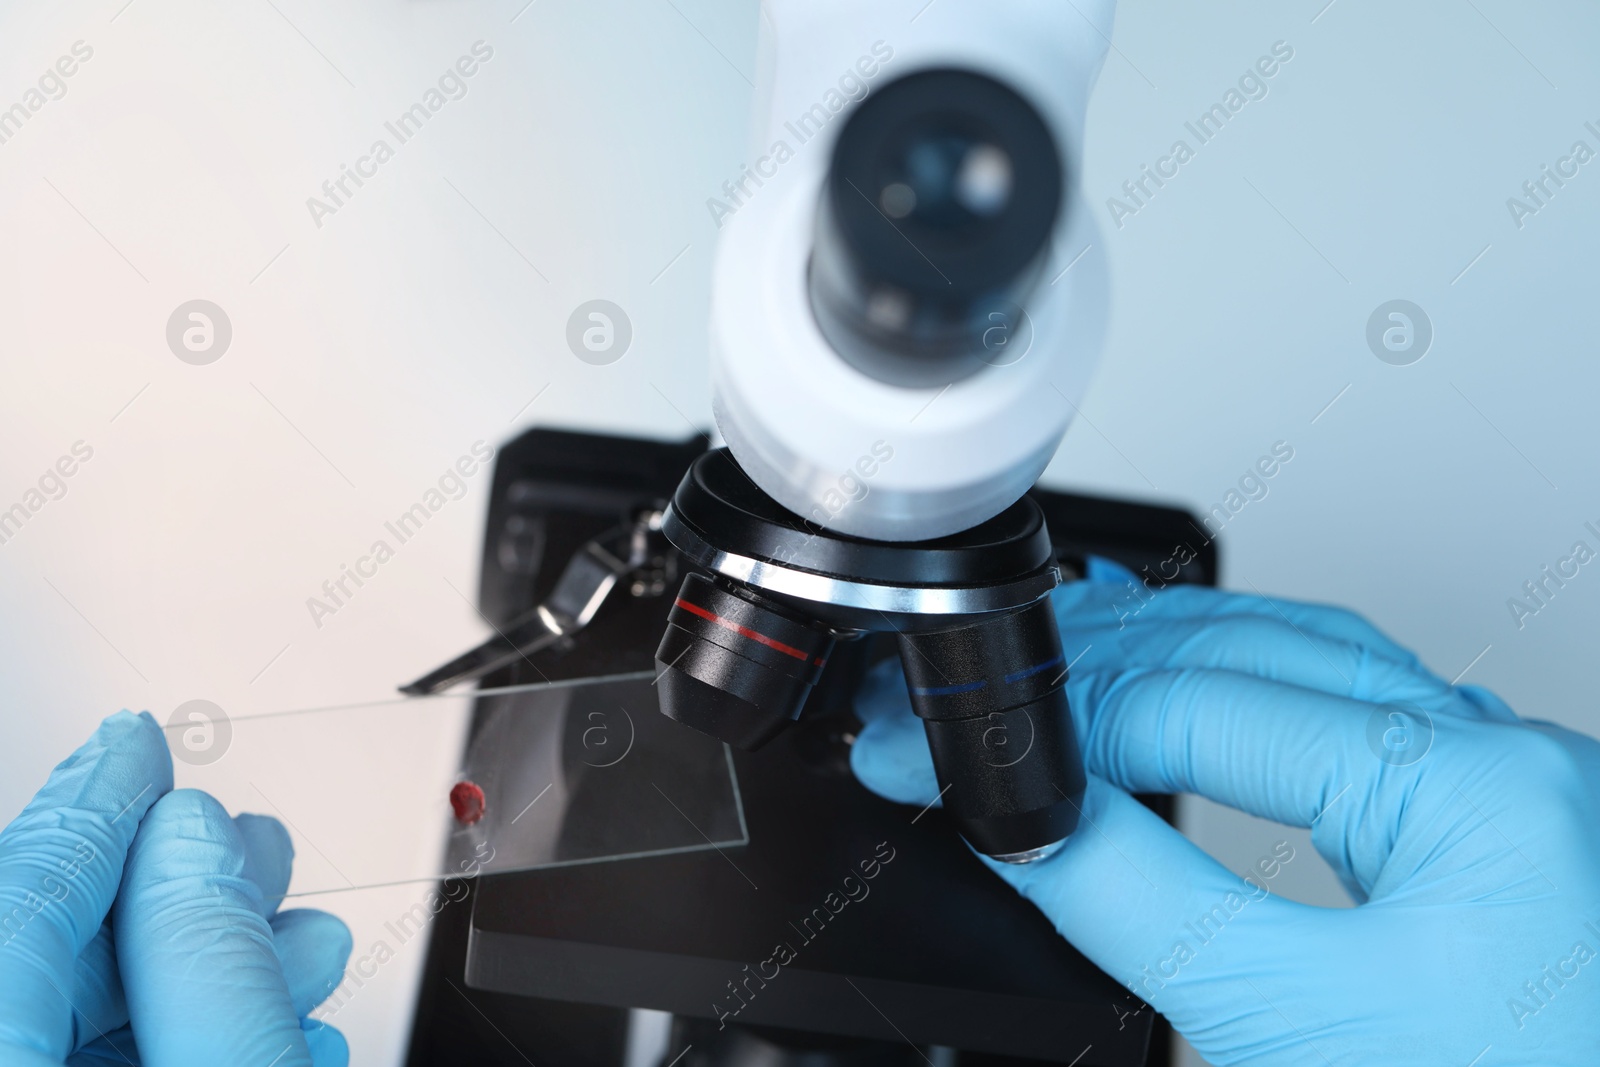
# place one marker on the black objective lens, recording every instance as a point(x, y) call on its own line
point(734, 665)
point(992, 700)
point(941, 195)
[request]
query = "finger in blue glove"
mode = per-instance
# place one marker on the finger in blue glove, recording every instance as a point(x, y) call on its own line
point(200, 969)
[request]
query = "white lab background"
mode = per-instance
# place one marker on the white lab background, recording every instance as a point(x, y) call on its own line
point(373, 346)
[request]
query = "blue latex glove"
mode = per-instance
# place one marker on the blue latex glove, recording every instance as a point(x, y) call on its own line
point(1475, 866)
point(139, 925)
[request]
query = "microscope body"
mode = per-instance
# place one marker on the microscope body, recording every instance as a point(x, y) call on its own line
point(806, 422)
point(905, 315)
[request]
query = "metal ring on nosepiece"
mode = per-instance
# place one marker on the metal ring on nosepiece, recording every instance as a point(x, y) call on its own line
point(823, 589)
point(1032, 855)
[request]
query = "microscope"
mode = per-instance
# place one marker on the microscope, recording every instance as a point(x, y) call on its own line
point(903, 320)
point(907, 304)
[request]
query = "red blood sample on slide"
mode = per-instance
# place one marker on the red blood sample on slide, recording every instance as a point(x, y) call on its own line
point(466, 798)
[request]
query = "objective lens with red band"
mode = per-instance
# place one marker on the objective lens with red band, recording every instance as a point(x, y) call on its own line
point(736, 665)
point(744, 631)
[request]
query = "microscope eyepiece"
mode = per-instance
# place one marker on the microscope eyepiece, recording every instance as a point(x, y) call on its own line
point(935, 220)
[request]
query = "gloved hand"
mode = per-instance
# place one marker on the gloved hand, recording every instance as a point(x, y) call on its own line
point(1467, 836)
point(140, 925)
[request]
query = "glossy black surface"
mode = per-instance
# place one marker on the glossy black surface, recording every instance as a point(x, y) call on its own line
point(935, 942)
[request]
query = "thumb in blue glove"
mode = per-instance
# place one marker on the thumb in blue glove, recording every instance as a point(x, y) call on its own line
point(1468, 835)
point(196, 966)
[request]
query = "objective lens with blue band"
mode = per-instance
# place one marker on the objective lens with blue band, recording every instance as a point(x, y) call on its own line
point(973, 687)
